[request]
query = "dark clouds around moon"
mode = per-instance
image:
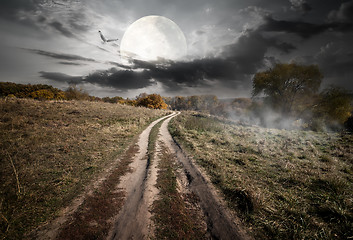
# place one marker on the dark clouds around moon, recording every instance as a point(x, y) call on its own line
point(237, 61)
point(304, 29)
point(301, 6)
point(241, 37)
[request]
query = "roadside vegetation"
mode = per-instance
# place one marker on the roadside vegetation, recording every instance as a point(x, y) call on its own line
point(283, 184)
point(50, 150)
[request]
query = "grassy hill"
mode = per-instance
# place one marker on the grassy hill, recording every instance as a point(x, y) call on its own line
point(283, 184)
point(50, 150)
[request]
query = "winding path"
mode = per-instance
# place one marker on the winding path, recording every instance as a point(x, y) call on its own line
point(133, 221)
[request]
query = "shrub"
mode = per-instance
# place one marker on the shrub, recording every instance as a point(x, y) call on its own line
point(154, 101)
point(113, 99)
point(59, 95)
point(73, 93)
point(42, 94)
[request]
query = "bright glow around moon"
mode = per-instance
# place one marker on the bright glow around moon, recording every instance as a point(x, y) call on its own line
point(153, 37)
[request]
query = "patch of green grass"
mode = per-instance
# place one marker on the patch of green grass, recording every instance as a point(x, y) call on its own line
point(50, 150)
point(283, 184)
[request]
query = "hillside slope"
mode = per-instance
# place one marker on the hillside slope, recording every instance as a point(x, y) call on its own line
point(50, 150)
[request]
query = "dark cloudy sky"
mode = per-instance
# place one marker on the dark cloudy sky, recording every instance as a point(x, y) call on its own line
point(56, 42)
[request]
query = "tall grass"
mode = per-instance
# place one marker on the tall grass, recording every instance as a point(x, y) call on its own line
point(283, 184)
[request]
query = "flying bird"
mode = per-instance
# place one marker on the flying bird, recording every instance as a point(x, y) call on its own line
point(106, 40)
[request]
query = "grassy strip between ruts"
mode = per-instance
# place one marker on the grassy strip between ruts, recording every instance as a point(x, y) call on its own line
point(172, 216)
point(152, 140)
point(50, 150)
point(283, 184)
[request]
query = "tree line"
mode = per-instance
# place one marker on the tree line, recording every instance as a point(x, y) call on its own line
point(47, 92)
point(284, 93)
point(37, 91)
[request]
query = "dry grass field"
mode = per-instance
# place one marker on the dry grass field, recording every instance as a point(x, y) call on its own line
point(283, 184)
point(50, 150)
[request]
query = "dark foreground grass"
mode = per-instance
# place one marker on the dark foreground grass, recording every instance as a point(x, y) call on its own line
point(283, 184)
point(172, 217)
point(50, 150)
point(93, 218)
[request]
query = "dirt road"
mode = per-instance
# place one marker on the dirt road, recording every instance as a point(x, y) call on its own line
point(129, 194)
point(134, 219)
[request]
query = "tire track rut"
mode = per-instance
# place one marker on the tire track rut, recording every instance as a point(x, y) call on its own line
point(219, 221)
point(134, 220)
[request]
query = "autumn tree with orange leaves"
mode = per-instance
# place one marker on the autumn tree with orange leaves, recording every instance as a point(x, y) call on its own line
point(154, 101)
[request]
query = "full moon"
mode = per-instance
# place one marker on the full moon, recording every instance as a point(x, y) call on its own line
point(153, 37)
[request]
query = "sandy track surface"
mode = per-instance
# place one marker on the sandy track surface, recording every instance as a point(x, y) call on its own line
point(134, 221)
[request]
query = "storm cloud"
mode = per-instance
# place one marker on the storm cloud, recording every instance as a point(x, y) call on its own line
point(343, 14)
point(235, 65)
point(61, 56)
point(228, 41)
point(301, 6)
point(303, 29)
point(61, 77)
